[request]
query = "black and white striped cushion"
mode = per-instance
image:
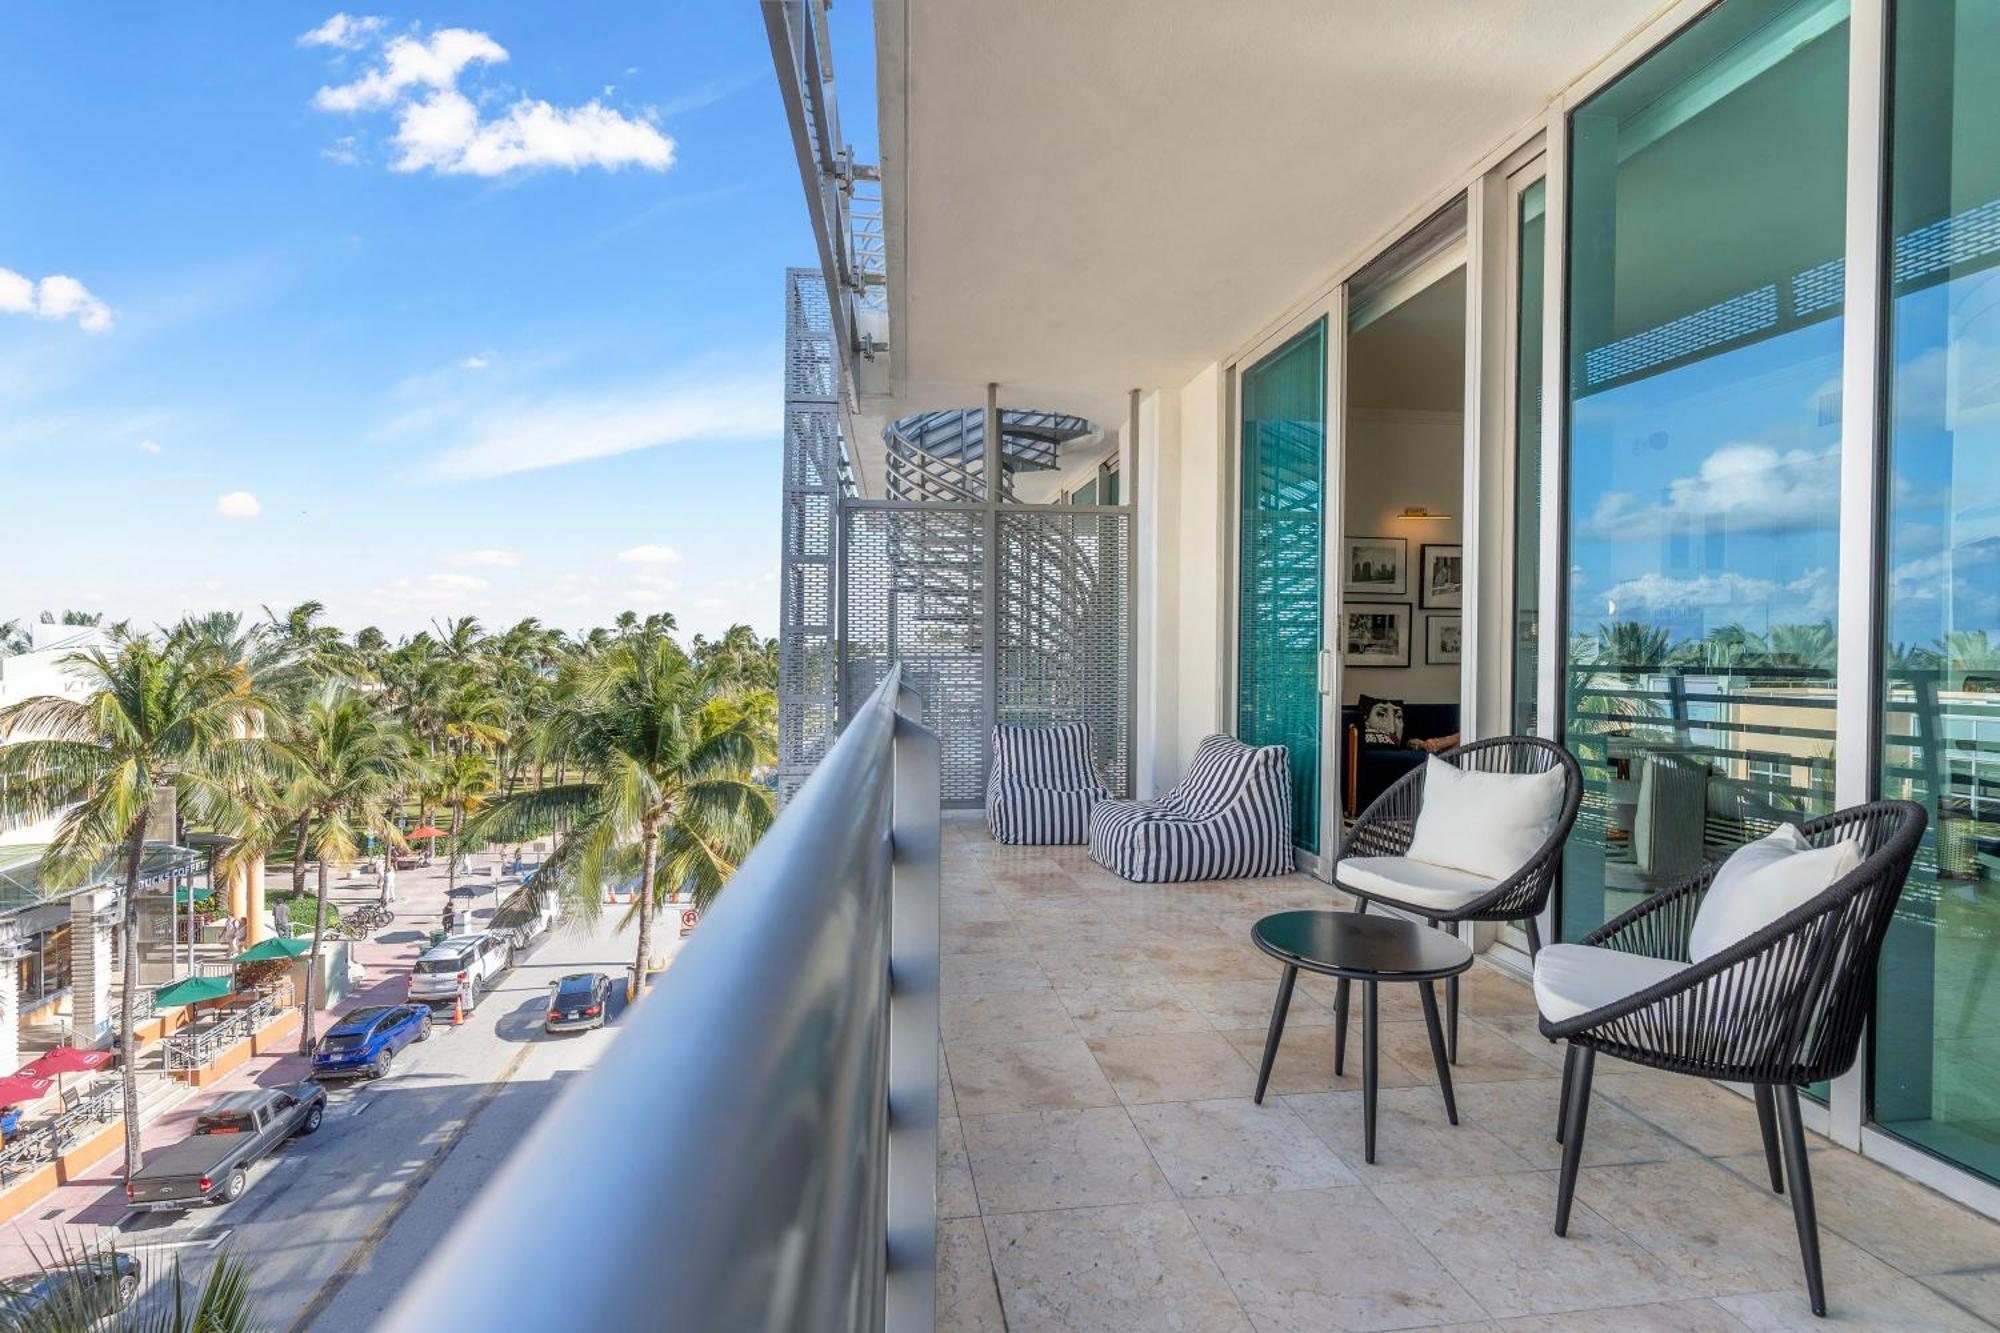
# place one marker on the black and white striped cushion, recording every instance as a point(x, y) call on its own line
point(1230, 817)
point(1043, 784)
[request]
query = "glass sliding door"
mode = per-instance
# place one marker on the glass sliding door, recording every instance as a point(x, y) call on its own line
point(1937, 1044)
point(1530, 229)
point(1280, 592)
point(1706, 235)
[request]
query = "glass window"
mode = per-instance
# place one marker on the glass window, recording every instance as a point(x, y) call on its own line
point(1086, 494)
point(1529, 231)
point(1937, 1048)
point(1706, 234)
point(1279, 525)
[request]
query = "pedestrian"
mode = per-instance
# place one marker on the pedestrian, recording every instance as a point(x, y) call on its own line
point(388, 883)
point(450, 918)
point(281, 919)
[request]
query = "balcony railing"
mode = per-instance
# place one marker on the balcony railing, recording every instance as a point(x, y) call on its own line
point(758, 1147)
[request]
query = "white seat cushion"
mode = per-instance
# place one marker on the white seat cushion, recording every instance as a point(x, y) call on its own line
point(1572, 979)
point(1486, 823)
point(1419, 883)
point(1760, 882)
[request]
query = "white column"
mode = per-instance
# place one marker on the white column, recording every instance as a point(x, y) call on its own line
point(90, 920)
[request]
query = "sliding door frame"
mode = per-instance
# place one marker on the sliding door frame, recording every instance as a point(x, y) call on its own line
point(1333, 310)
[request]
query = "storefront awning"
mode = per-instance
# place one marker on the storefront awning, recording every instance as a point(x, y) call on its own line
point(24, 881)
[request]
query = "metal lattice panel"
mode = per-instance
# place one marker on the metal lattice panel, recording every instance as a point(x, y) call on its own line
point(808, 709)
point(914, 593)
point(1063, 646)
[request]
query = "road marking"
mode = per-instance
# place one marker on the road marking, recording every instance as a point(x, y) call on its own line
point(360, 1106)
point(374, 1236)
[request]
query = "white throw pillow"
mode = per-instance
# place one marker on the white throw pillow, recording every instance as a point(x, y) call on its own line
point(1487, 823)
point(1760, 882)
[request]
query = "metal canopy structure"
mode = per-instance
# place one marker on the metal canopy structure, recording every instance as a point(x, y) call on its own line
point(26, 883)
point(998, 612)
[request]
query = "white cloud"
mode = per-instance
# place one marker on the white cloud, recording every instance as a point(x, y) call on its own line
point(412, 62)
point(238, 504)
point(486, 558)
point(151, 447)
point(475, 363)
point(428, 593)
point(649, 555)
point(541, 433)
point(344, 32)
point(345, 151)
point(1740, 488)
point(55, 297)
point(443, 129)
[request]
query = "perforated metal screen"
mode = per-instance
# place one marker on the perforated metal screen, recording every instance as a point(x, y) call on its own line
point(808, 712)
point(1051, 644)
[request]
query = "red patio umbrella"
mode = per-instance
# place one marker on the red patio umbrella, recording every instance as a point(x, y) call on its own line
point(65, 1060)
point(17, 1089)
point(430, 831)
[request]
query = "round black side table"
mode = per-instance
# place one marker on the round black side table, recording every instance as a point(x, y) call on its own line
point(1370, 950)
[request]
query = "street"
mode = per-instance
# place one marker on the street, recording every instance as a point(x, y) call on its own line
point(334, 1224)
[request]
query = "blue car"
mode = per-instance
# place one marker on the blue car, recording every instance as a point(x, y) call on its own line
point(365, 1042)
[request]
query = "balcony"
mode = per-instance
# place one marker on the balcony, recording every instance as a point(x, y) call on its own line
point(1102, 1165)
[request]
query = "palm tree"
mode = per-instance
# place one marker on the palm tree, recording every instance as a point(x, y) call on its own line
point(153, 717)
point(348, 763)
point(14, 639)
point(668, 750)
point(464, 782)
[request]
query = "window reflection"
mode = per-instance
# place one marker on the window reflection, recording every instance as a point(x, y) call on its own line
point(1706, 231)
point(1937, 1050)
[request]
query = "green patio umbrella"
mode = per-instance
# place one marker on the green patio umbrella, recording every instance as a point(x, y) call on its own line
point(273, 948)
point(200, 895)
point(192, 991)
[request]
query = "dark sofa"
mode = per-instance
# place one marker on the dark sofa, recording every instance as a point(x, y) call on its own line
point(1371, 768)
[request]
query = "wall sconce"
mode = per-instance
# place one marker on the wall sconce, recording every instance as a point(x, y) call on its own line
point(1418, 511)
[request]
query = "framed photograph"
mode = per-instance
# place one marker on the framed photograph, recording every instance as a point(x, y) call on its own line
point(1442, 569)
point(1375, 634)
point(1442, 643)
point(1376, 567)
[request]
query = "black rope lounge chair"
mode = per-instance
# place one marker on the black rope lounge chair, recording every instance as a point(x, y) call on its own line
point(1779, 1009)
point(1380, 839)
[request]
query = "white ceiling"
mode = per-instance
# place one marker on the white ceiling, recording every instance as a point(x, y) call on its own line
point(1090, 197)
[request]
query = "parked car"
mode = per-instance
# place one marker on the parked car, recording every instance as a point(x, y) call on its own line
point(367, 1041)
point(578, 1002)
point(212, 1165)
point(474, 959)
point(528, 913)
point(75, 1293)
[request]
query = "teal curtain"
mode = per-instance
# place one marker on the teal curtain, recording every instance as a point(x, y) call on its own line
point(1280, 595)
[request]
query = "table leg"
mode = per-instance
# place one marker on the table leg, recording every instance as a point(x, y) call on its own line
point(1368, 1069)
point(1277, 1028)
point(1340, 1027)
point(1428, 992)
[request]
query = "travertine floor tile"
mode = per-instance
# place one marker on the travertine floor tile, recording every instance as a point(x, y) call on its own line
point(1173, 1067)
point(1492, 1233)
point(968, 1297)
point(1130, 1008)
point(1707, 1118)
point(990, 973)
point(1331, 1258)
point(1247, 1004)
point(1234, 1146)
point(1060, 1159)
point(1034, 1015)
point(1413, 1139)
point(1696, 1316)
point(1523, 1115)
point(991, 1078)
point(1137, 1268)
point(955, 1196)
point(1898, 1305)
point(1976, 1292)
point(1305, 1061)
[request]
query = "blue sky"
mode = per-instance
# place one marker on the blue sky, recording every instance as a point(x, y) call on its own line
point(474, 309)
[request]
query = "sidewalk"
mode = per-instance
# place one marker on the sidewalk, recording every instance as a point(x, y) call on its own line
point(78, 1211)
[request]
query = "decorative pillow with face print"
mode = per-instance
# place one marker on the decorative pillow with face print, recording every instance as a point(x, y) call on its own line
point(1381, 721)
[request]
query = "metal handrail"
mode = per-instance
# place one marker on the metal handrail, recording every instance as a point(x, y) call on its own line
point(758, 1147)
point(197, 1048)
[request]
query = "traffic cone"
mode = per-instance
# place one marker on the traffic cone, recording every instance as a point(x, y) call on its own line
point(457, 1011)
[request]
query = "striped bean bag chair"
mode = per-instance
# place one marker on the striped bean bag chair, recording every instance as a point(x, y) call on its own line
point(1043, 784)
point(1230, 817)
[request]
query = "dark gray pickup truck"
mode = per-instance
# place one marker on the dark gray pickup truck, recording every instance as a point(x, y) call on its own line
point(212, 1165)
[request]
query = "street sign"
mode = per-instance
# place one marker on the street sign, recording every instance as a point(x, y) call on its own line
point(689, 918)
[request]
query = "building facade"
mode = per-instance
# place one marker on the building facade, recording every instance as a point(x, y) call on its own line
point(1624, 373)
